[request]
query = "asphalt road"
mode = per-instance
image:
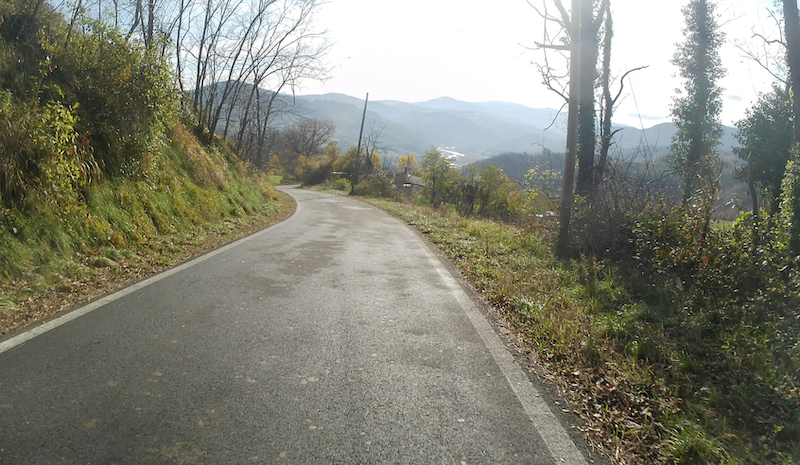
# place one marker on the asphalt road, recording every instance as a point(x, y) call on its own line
point(334, 337)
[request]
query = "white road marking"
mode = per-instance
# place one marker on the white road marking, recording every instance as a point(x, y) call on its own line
point(79, 312)
point(555, 437)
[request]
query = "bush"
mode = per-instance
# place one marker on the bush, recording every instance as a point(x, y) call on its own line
point(42, 150)
point(733, 318)
point(339, 184)
point(125, 95)
point(376, 184)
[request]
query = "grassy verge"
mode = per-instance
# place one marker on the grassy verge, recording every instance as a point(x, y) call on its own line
point(190, 201)
point(626, 376)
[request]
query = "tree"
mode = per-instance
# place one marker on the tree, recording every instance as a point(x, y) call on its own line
point(608, 103)
point(791, 21)
point(438, 174)
point(318, 169)
point(468, 190)
point(224, 50)
point(579, 33)
point(592, 15)
point(303, 141)
point(568, 194)
point(765, 135)
point(792, 24)
point(372, 140)
point(308, 136)
point(696, 109)
point(494, 189)
point(409, 164)
point(588, 17)
point(769, 52)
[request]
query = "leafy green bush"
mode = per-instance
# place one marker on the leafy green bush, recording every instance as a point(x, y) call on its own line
point(75, 105)
point(42, 150)
point(125, 94)
point(733, 318)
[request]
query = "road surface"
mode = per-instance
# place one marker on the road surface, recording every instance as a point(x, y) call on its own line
point(334, 337)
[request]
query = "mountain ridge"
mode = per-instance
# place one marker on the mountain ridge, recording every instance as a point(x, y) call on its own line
point(478, 130)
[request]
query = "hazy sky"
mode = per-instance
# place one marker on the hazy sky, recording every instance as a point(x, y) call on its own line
point(417, 50)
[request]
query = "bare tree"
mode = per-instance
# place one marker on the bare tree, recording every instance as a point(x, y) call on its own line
point(608, 102)
point(225, 49)
point(307, 136)
point(568, 194)
point(278, 65)
point(592, 15)
point(372, 139)
point(767, 51)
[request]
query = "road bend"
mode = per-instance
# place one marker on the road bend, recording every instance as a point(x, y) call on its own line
point(335, 337)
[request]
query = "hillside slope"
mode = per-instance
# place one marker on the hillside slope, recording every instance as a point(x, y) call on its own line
point(191, 201)
point(100, 181)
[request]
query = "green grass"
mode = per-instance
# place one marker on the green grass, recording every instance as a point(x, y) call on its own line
point(626, 371)
point(274, 179)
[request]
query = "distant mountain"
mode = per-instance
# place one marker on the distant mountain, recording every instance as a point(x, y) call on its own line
point(472, 131)
point(660, 136)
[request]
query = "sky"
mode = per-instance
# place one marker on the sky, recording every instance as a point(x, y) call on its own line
point(479, 50)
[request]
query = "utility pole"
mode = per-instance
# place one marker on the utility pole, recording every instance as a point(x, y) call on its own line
point(358, 148)
point(568, 192)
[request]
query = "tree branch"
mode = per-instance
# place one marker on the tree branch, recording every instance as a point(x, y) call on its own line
point(622, 81)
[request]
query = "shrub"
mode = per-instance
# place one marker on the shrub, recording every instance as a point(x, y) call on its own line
point(125, 95)
point(339, 184)
point(376, 184)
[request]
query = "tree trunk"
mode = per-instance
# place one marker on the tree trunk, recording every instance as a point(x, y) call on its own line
point(35, 13)
point(245, 121)
point(793, 52)
point(792, 24)
point(568, 194)
point(586, 117)
point(151, 17)
point(607, 105)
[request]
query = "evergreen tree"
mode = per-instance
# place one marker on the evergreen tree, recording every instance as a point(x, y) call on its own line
point(765, 135)
point(696, 108)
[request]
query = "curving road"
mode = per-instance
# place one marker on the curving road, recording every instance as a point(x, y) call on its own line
point(334, 337)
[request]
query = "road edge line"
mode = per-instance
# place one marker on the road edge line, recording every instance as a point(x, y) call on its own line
point(35, 331)
point(555, 436)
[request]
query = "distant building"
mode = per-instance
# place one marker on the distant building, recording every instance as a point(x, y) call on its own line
point(408, 184)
